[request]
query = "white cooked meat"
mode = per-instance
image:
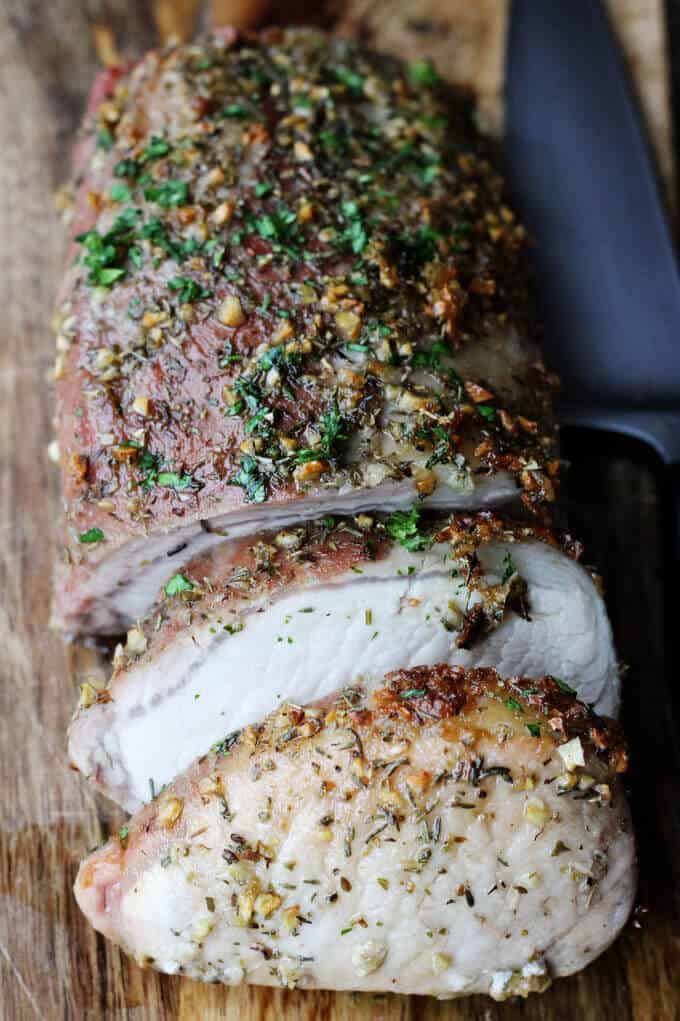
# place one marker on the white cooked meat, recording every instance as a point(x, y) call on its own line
point(451, 834)
point(293, 614)
point(107, 598)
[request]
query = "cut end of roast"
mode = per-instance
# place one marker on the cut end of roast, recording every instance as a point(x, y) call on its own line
point(407, 840)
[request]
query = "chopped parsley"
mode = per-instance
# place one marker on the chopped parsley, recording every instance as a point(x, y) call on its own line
point(155, 232)
point(430, 359)
point(189, 289)
point(126, 168)
point(402, 526)
point(173, 480)
point(123, 834)
point(104, 139)
point(281, 229)
point(513, 704)
point(120, 193)
point(168, 193)
point(332, 428)
point(107, 253)
point(178, 583)
point(92, 535)
point(156, 148)
point(534, 729)
point(423, 72)
point(441, 442)
point(354, 235)
point(235, 110)
point(351, 79)
point(250, 480)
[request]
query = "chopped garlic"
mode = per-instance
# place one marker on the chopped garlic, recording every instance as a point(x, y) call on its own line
point(202, 928)
point(368, 957)
point(572, 754)
point(537, 812)
point(289, 972)
point(136, 642)
point(418, 781)
point(210, 785)
point(223, 213)
point(303, 152)
point(169, 812)
point(440, 963)
point(141, 405)
point(267, 903)
point(230, 312)
point(310, 470)
point(88, 695)
point(349, 324)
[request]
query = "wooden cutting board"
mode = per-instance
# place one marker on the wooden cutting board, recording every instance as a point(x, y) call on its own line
point(51, 965)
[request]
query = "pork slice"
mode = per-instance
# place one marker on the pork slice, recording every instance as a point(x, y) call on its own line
point(294, 614)
point(295, 286)
point(451, 833)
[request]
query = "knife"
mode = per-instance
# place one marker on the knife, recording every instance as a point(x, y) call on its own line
point(584, 181)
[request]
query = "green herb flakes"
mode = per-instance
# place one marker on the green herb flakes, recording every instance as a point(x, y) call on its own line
point(92, 535)
point(189, 289)
point(178, 583)
point(402, 526)
point(423, 72)
point(563, 686)
point(250, 480)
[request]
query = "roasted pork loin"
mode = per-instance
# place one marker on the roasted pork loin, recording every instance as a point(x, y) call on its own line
point(451, 833)
point(289, 616)
point(296, 288)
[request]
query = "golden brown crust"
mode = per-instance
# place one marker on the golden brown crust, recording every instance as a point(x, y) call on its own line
point(442, 691)
point(466, 532)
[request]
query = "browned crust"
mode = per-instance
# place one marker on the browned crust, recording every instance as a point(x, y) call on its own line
point(444, 691)
point(467, 532)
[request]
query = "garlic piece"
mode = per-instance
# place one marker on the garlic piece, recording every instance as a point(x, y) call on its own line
point(368, 957)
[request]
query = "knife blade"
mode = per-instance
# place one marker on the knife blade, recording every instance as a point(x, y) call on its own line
point(584, 181)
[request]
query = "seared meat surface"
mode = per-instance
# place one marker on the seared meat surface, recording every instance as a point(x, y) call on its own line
point(296, 288)
point(452, 833)
point(289, 616)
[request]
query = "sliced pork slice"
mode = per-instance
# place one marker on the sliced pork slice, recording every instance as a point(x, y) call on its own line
point(295, 287)
point(294, 614)
point(450, 834)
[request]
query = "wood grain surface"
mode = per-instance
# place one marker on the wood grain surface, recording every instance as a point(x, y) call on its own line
point(52, 966)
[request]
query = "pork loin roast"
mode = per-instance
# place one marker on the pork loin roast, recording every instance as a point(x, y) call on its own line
point(297, 375)
point(296, 288)
point(291, 615)
point(451, 833)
